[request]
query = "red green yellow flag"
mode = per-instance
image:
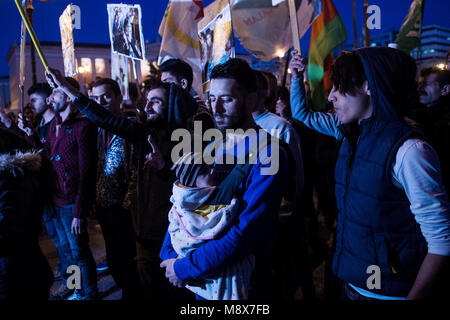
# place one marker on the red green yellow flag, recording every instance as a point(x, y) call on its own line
point(328, 31)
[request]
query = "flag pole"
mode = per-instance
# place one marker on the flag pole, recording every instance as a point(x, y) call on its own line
point(31, 32)
point(294, 26)
point(286, 67)
point(29, 10)
point(420, 32)
point(366, 29)
point(22, 62)
point(355, 35)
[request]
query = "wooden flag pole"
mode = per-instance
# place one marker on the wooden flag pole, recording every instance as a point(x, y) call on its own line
point(419, 49)
point(31, 32)
point(294, 26)
point(286, 67)
point(355, 36)
point(366, 29)
point(22, 63)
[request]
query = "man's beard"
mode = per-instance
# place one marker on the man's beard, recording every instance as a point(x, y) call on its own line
point(58, 108)
point(230, 122)
point(158, 122)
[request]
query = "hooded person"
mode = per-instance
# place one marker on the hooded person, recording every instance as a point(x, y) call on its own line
point(393, 228)
point(168, 108)
point(27, 185)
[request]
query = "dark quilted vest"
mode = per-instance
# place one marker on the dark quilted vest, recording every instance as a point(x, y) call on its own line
point(375, 224)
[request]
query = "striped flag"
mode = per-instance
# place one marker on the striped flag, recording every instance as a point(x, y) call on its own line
point(179, 34)
point(409, 36)
point(178, 30)
point(328, 31)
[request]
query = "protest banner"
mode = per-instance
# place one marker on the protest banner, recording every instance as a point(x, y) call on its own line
point(179, 34)
point(216, 38)
point(68, 48)
point(125, 30)
point(119, 72)
point(31, 32)
point(264, 27)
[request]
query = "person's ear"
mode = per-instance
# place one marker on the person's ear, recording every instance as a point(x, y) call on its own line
point(184, 83)
point(445, 90)
point(251, 100)
point(366, 88)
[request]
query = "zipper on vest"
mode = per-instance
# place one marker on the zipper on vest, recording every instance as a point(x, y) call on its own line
point(347, 180)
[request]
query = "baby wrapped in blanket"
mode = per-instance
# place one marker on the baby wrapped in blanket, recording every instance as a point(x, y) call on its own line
point(204, 206)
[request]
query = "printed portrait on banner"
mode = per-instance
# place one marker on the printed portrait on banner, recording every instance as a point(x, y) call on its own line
point(216, 42)
point(125, 30)
point(119, 72)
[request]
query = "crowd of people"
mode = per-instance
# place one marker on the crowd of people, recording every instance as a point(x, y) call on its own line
point(179, 228)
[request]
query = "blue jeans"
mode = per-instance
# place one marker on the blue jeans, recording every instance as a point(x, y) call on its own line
point(81, 254)
point(63, 250)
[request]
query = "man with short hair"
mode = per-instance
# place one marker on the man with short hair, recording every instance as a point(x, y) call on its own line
point(393, 227)
point(113, 175)
point(180, 72)
point(71, 147)
point(233, 98)
point(39, 94)
point(434, 116)
point(434, 86)
point(282, 129)
point(271, 93)
point(291, 215)
point(177, 71)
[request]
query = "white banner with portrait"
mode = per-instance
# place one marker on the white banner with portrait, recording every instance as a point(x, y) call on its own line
point(125, 30)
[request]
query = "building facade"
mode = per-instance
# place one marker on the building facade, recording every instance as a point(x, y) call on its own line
point(383, 39)
point(5, 98)
point(95, 60)
point(434, 46)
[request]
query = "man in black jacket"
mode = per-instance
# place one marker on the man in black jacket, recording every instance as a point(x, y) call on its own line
point(434, 116)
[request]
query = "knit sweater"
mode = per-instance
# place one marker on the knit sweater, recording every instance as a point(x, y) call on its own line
point(71, 146)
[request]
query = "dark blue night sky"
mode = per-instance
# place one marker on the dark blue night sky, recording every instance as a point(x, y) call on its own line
point(94, 25)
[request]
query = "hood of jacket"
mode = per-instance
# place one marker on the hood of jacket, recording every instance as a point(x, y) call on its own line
point(19, 162)
point(181, 108)
point(391, 76)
